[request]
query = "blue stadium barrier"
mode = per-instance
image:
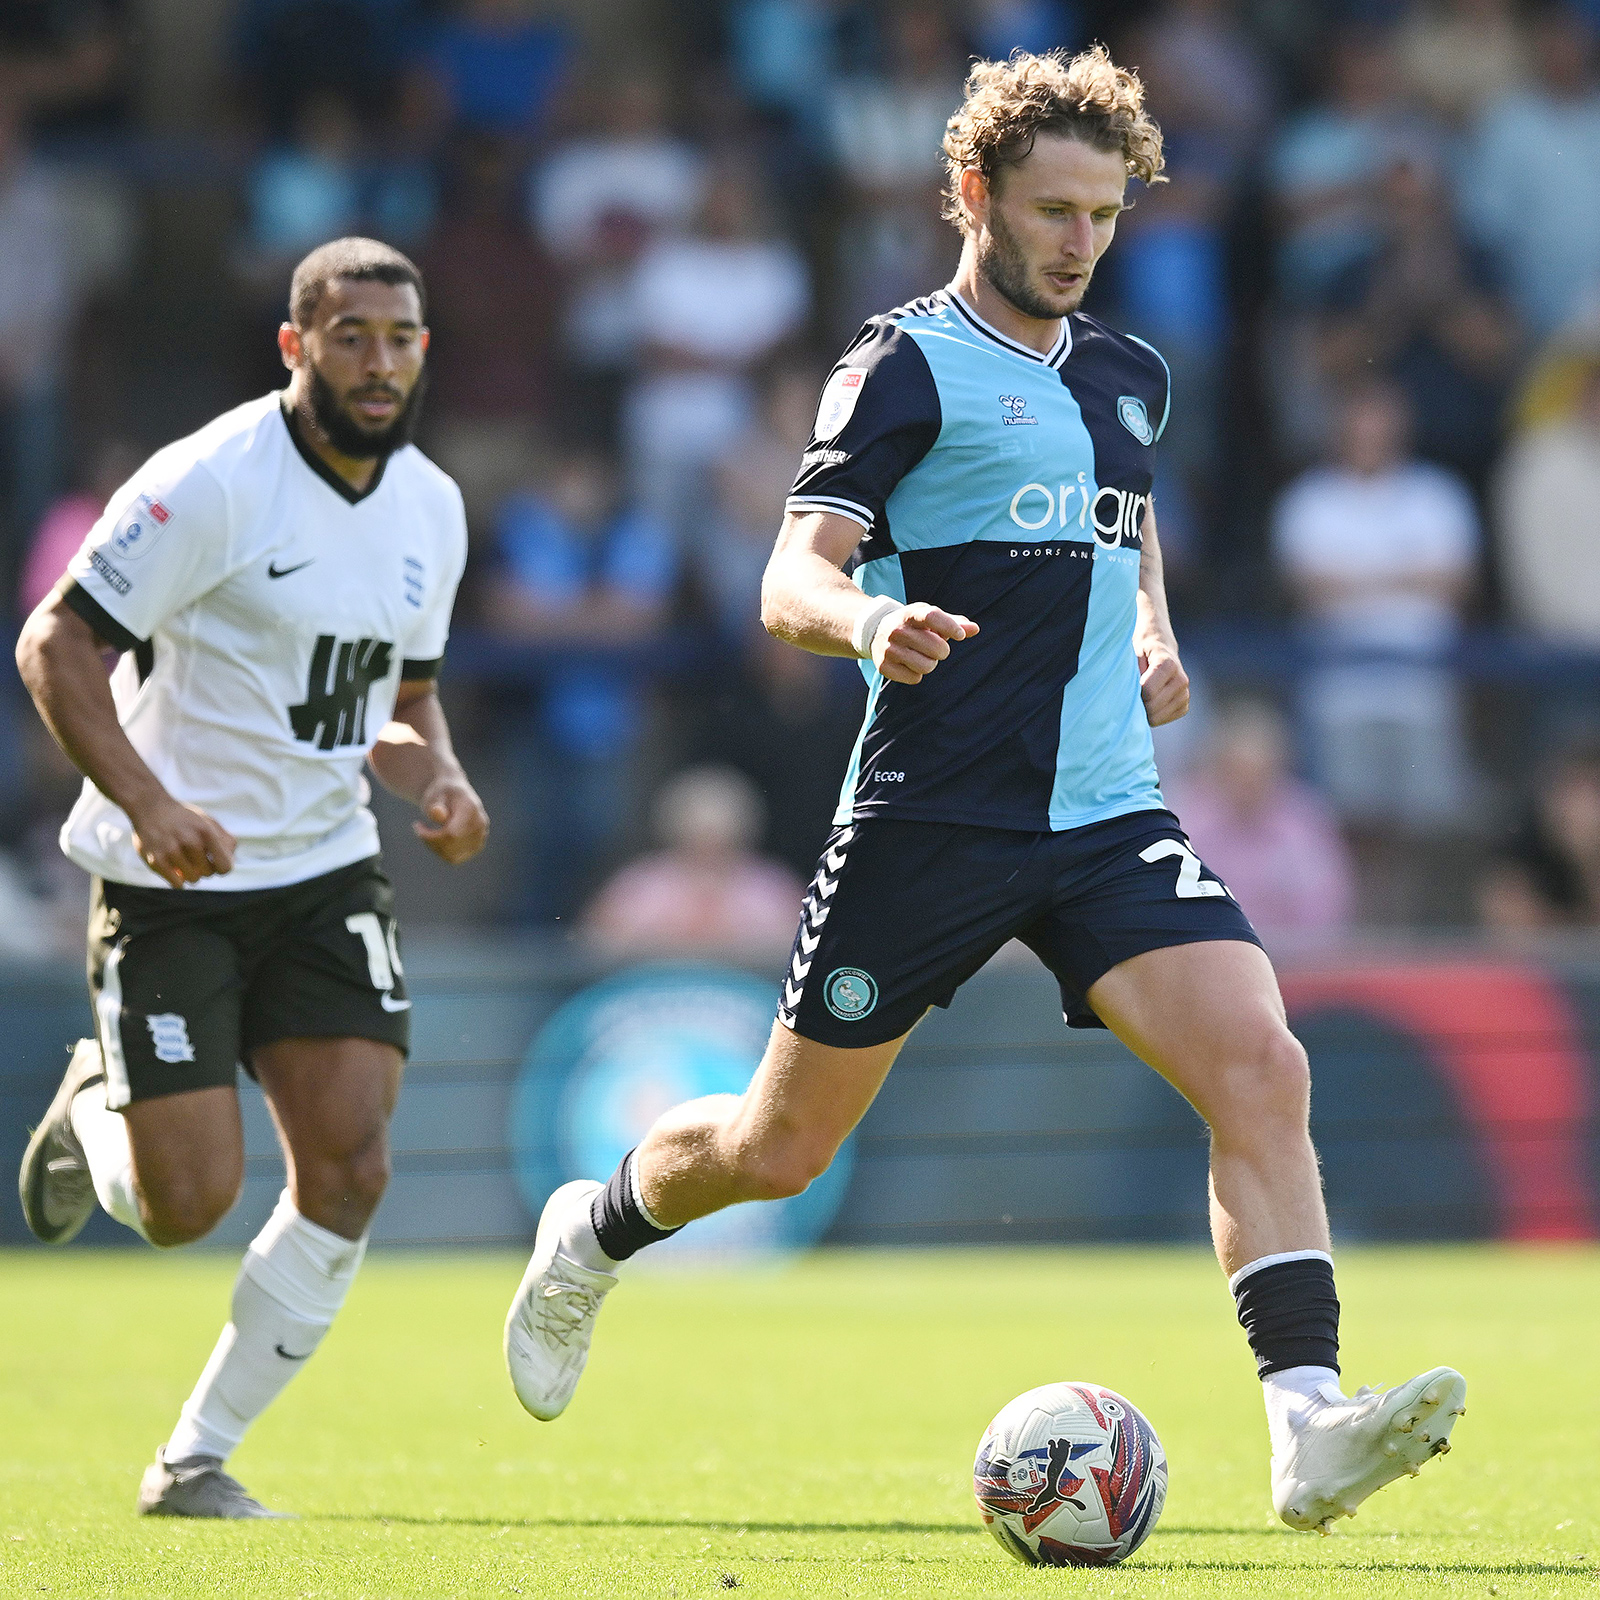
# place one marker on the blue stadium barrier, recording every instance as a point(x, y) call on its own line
point(1455, 1095)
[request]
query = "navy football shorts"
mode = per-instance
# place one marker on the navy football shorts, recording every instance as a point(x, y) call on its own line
point(901, 914)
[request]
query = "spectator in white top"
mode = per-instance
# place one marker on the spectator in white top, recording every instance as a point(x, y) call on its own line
point(630, 166)
point(710, 305)
point(1531, 183)
point(1547, 501)
point(1379, 551)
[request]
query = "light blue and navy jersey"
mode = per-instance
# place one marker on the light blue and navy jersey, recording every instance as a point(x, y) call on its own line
point(1010, 487)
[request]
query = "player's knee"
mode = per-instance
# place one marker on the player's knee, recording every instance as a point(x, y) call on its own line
point(356, 1182)
point(780, 1170)
point(1266, 1086)
point(182, 1211)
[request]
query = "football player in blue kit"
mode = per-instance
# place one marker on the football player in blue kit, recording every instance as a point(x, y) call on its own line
point(985, 456)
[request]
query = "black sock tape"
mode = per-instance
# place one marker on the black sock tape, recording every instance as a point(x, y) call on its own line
point(1290, 1314)
point(620, 1226)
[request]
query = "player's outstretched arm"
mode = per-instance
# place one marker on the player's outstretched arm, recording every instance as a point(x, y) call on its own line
point(59, 658)
point(1163, 684)
point(414, 759)
point(806, 599)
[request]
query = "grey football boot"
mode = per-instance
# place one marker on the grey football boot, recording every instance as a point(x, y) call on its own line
point(54, 1183)
point(197, 1488)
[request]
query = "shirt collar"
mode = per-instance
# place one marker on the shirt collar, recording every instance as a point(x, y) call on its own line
point(1057, 353)
point(320, 467)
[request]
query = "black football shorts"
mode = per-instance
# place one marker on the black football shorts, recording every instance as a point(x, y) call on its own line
point(901, 914)
point(187, 982)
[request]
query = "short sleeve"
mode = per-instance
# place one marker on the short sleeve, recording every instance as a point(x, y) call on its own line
point(878, 417)
point(162, 542)
point(422, 654)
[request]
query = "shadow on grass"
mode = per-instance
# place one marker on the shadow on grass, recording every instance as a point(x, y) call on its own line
point(689, 1525)
point(1485, 1569)
point(965, 1530)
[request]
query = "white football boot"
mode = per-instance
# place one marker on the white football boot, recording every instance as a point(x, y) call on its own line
point(1351, 1447)
point(552, 1317)
point(55, 1184)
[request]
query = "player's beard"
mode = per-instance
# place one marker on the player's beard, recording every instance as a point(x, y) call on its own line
point(348, 437)
point(1004, 266)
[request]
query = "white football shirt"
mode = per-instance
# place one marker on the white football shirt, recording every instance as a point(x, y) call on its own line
point(268, 613)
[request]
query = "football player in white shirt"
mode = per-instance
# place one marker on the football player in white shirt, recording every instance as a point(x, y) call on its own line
point(280, 586)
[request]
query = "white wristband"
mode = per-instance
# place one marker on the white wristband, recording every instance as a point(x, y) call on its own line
point(868, 624)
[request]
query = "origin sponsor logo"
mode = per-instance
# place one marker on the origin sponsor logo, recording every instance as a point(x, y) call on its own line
point(1114, 516)
point(116, 579)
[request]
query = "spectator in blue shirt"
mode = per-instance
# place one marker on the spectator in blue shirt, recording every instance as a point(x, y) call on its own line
point(589, 579)
point(498, 64)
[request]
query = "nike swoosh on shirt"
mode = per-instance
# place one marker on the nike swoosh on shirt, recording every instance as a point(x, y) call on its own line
point(275, 571)
point(389, 1003)
point(289, 1355)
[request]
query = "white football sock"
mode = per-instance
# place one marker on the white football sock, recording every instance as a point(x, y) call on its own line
point(294, 1278)
point(104, 1137)
point(1294, 1396)
point(579, 1241)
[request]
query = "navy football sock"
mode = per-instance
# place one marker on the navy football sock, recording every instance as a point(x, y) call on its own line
point(1289, 1312)
point(621, 1223)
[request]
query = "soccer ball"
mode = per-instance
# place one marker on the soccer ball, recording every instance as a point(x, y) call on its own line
point(1070, 1475)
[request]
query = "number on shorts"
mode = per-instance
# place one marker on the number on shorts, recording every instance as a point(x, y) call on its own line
point(1191, 886)
point(383, 952)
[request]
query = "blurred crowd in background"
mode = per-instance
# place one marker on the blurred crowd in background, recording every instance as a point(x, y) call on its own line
point(649, 228)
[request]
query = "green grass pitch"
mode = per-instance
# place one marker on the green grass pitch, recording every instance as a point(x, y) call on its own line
point(805, 1430)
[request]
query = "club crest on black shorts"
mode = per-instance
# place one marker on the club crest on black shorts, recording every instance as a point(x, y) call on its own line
point(851, 994)
point(900, 914)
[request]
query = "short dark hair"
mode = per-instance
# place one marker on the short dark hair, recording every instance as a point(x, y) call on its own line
point(369, 259)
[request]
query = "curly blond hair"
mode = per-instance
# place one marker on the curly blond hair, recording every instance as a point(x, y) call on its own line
point(1010, 103)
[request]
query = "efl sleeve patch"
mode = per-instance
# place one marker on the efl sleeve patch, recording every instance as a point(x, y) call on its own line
point(157, 549)
point(838, 404)
point(878, 417)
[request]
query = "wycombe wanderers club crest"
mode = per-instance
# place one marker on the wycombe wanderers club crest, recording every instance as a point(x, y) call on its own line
point(850, 994)
point(1133, 416)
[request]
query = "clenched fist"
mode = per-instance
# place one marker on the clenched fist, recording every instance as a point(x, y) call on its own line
point(1163, 686)
point(454, 824)
point(908, 647)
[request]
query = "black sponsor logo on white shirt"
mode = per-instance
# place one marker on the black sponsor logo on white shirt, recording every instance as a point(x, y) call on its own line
point(116, 579)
